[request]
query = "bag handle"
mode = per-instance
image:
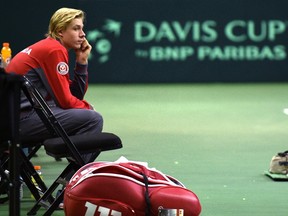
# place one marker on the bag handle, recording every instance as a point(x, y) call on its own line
point(283, 154)
point(139, 168)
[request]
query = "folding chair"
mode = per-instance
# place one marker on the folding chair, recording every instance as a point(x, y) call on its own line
point(13, 158)
point(65, 146)
point(9, 136)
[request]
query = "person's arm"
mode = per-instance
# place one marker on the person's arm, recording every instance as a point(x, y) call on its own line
point(79, 84)
point(57, 73)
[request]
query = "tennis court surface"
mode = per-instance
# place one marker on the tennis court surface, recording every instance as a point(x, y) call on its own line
point(217, 139)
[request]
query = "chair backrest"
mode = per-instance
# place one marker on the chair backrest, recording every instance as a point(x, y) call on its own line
point(10, 88)
point(45, 113)
point(10, 105)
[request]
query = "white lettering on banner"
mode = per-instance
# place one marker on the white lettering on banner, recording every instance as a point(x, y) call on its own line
point(170, 53)
point(174, 31)
point(262, 36)
point(240, 30)
point(241, 53)
point(207, 40)
point(92, 209)
point(212, 53)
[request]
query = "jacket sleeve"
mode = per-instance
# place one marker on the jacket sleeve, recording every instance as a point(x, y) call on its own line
point(57, 72)
point(79, 85)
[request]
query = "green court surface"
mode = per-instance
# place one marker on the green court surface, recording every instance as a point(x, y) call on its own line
point(217, 139)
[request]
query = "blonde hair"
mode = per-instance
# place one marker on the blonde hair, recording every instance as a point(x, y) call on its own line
point(61, 19)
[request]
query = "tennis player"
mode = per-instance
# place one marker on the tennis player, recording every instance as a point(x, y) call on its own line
point(46, 64)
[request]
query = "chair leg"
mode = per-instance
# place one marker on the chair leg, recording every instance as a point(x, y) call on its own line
point(33, 151)
point(53, 205)
point(27, 179)
point(4, 186)
point(28, 171)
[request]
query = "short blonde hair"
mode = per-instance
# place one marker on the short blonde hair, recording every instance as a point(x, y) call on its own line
point(61, 19)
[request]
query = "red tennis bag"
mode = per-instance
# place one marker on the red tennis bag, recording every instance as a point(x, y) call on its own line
point(125, 189)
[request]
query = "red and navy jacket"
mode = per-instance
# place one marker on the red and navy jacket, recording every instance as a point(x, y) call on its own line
point(45, 64)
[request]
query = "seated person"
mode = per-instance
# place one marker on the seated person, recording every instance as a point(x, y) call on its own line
point(45, 64)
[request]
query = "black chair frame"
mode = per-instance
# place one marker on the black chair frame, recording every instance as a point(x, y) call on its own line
point(16, 161)
point(64, 146)
point(9, 139)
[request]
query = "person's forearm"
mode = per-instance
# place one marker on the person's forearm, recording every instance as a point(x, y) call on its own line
point(79, 84)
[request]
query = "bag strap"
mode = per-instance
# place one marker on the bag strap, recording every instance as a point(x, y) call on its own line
point(147, 199)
